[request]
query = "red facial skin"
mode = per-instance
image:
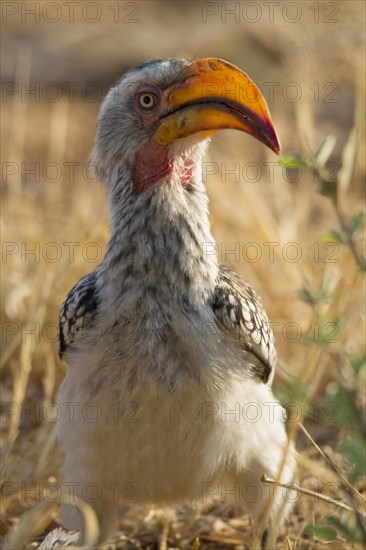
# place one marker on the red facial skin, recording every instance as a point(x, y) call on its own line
point(152, 161)
point(151, 164)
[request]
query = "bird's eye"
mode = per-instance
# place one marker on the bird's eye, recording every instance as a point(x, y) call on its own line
point(147, 101)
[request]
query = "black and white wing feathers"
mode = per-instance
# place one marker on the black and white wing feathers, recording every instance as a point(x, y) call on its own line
point(238, 309)
point(77, 312)
point(60, 538)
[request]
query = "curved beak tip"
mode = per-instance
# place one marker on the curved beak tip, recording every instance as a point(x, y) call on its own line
point(275, 144)
point(216, 95)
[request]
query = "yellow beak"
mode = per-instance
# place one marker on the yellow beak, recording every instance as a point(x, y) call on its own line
point(212, 96)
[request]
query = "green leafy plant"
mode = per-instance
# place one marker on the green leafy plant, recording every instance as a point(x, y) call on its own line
point(344, 398)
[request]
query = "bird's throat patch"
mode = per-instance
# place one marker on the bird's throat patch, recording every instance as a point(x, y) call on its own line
point(185, 170)
point(153, 163)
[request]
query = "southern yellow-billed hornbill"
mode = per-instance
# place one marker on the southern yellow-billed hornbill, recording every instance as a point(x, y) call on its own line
point(171, 357)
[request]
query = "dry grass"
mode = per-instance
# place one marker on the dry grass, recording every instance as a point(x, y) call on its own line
point(39, 212)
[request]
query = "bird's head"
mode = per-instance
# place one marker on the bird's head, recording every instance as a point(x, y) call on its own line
point(155, 122)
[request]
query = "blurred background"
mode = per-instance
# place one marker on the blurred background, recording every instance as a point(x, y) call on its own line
point(293, 227)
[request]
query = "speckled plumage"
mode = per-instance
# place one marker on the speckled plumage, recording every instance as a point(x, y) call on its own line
point(238, 309)
point(59, 538)
point(77, 312)
point(164, 342)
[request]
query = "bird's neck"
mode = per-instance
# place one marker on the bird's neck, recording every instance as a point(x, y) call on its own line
point(161, 248)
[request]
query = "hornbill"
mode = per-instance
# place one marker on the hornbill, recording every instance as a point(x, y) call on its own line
point(163, 343)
